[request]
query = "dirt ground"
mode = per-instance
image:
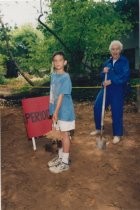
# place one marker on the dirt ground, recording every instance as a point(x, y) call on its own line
point(97, 180)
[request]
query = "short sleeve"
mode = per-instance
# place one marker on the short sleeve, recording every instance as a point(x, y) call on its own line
point(65, 87)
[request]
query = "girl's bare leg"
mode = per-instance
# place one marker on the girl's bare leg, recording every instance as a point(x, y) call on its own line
point(66, 147)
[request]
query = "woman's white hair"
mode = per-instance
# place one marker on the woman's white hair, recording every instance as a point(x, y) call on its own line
point(116, 42)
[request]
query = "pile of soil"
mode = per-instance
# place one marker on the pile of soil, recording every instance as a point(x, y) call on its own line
point(97, 180)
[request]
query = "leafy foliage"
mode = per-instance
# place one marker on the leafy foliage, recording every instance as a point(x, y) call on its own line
point(130, 8)
point(23, 41)
point(85, 26)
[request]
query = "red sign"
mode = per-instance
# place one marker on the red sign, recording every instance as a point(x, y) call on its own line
point(36, 114)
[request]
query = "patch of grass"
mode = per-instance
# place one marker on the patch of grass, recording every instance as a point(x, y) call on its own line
point(41, 81)
point(23, 89)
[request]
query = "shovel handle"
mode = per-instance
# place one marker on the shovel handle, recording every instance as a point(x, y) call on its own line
point(103, 106)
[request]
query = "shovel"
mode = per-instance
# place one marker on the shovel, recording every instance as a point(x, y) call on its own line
point(100, 140)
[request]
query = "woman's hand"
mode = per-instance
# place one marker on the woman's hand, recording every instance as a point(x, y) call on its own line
point(106, 83)
point(105, 69)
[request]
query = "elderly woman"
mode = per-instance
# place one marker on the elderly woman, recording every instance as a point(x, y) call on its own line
point(117, 69)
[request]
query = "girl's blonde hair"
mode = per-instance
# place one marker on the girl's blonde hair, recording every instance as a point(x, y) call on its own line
point(116, 42)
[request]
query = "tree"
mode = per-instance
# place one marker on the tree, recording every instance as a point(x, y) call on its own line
point(130, 8)
point(23, 39)
point(10, 54)
point(86, 27)
point(30, 49)
point(7, 66)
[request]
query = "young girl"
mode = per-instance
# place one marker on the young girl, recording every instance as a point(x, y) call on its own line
point(62, 110)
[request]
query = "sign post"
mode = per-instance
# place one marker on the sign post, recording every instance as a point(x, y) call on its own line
point(33, 142)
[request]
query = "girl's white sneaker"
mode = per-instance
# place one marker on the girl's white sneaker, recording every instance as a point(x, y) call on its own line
point(55, 161)
point(116, 139)
point(59, 168)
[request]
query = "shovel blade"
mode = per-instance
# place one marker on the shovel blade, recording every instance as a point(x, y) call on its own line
point(101, 143)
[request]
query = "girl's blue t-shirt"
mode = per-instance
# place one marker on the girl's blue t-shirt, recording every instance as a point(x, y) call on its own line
point(61, 84)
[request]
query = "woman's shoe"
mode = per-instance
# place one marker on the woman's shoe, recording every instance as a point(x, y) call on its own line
point(96, 132)
point(116, 139)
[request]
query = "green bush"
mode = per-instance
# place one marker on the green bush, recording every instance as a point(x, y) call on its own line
point(2, 80)
point(132, 96)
